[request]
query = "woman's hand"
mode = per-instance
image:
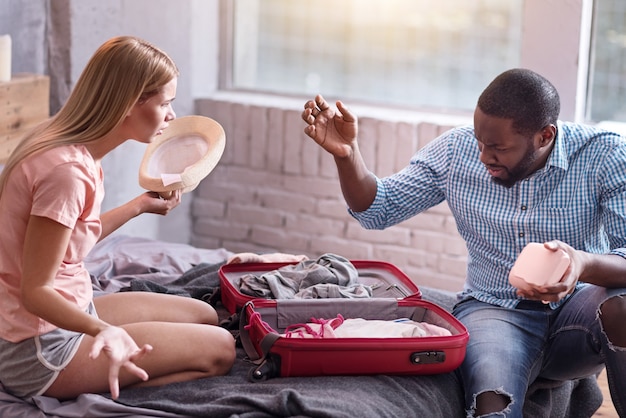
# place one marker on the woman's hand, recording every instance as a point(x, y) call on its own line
point(159, 203)
point(122, 351)
point(335, 131)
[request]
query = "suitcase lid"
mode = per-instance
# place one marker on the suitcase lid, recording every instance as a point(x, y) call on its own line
point(385, 279)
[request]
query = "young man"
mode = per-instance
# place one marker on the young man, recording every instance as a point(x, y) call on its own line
point(519, 175)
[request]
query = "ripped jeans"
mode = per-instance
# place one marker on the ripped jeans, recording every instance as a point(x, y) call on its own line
point(509, 348)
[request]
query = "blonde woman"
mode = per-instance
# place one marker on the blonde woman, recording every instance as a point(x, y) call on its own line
point(55, 338)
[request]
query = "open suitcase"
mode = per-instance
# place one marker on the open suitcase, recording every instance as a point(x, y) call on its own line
point(385, 279)
point(263, 321)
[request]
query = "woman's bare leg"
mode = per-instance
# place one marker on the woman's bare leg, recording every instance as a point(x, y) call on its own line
point(128, 307)
point(185, 347)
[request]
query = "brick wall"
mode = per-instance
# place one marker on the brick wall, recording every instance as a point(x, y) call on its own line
point(276, 190)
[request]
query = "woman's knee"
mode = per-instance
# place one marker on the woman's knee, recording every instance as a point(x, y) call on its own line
point(222, 354)
point(205, 313)
point(612, 316)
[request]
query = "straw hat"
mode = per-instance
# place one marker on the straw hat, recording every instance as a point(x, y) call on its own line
point(186, 152)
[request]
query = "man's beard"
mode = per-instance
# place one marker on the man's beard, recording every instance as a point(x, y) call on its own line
point(519, 172)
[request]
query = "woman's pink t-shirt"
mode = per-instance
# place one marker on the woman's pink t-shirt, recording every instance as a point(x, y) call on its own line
point(64, 184)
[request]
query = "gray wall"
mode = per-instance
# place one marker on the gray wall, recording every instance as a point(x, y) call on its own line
point(57, 38)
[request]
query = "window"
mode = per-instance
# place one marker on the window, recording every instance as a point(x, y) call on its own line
point(430, 55)
point(417, 53)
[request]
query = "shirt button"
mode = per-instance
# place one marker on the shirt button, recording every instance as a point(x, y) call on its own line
point(523, 207)
point(521, 235)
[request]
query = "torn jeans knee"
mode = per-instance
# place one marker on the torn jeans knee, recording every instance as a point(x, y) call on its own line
point(612, 313)
point(490, 401)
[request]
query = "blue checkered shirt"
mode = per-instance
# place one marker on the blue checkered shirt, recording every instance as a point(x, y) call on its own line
point(579, 197)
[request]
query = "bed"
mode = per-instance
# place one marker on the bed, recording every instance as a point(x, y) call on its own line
point(123, 263)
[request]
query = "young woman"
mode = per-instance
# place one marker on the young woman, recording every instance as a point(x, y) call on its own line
point(56, 339)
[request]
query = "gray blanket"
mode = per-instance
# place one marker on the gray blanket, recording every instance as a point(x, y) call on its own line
point(332, 397)
point(438, 396)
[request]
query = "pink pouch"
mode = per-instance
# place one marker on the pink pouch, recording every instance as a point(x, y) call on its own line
point(539, 266)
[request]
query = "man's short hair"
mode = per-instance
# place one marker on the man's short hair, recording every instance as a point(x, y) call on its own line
point(524, 96)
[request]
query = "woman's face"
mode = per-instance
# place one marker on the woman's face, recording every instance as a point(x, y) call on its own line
point(148, 118)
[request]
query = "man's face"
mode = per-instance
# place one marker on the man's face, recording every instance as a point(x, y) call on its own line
point(508, 156)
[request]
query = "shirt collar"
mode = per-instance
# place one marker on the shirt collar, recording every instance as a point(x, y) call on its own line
point(558, 156)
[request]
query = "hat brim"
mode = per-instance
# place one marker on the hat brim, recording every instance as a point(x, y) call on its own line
point(186, 152)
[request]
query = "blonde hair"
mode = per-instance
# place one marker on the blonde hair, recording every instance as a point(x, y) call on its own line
point(123, 71)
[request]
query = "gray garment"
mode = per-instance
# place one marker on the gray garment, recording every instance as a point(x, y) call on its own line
point(330, 275)
point(29, 367)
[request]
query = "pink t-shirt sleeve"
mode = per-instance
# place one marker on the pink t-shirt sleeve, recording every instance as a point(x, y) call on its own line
point(62, 194)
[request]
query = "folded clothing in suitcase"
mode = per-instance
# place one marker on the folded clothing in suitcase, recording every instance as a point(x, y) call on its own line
point(382, 279)
point(263, 324)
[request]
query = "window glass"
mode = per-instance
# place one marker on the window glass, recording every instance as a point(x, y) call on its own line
point(412, 53)
point(607, 98)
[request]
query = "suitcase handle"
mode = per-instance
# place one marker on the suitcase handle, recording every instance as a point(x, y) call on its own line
point(244, 336)
point(428, 357)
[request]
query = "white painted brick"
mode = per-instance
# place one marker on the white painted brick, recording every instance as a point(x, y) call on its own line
point(318, 187)
point(429, 241)
point(393, 235)
point(328, 168)
point(442, 129)
point(221, 113)
point(239, 135)
point(275, 135)
point(398, 255)
point(449, 225)
point(426, 132)
point(220, 229)
point(292, 155)
point(207, 208)
point(455, 246)
point(275, 190)
point(432, 262)
point(204, 242)
point(248, 247)
point(427, 221)
point(333, 208)
point(228, 193)
point(258, 128)
point(282, 239)
point(284, 201)
point(386, 149)
point(313, 225)
point(406, 146)
point(248, 176)
point(368, 132)
point(347, 248)
point(452, 266)
point(255, 215)
point(425, 278)
point(441, 208)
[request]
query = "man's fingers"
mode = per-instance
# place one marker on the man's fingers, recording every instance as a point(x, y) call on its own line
point(345, 113)
point(321, 103)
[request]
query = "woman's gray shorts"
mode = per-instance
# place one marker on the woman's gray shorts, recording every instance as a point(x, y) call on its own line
point(28, 368)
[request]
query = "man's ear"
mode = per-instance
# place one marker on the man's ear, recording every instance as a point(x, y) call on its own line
point(548, 134)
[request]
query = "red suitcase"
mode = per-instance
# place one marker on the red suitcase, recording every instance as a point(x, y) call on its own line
point(386, 280)
point(262, 321)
